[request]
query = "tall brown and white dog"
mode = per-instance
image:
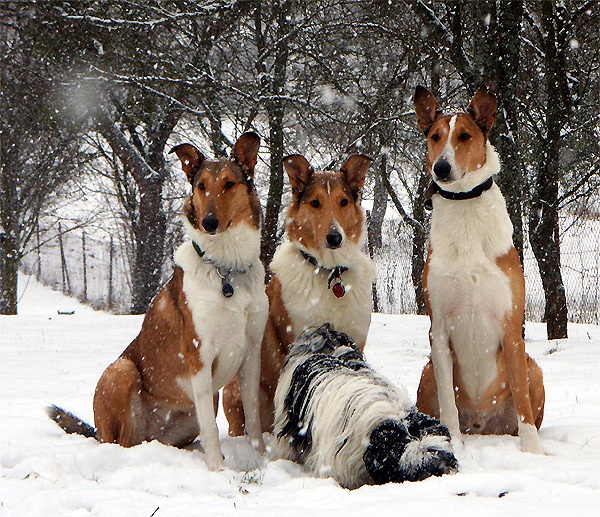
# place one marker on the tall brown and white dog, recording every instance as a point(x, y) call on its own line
point(204, 326)
point(479, 378)
point(320, 274)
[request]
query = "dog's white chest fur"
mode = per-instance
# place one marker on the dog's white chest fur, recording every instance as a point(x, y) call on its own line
point(226, 327)
point(469, 293)
point(308, 300)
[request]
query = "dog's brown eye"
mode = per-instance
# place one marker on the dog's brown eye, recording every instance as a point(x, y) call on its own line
point(201, 186)
point(435, 137)
point(343, 202)
point(315, 203)
point(464, 137)
point(229, 184)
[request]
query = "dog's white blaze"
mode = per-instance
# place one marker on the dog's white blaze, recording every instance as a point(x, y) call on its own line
point(470, 295)
point(448, 151)
point(308, 300)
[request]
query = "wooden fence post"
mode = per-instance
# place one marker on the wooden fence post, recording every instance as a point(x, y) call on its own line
point(111, 253)
point(66, 284)
point(84, 260)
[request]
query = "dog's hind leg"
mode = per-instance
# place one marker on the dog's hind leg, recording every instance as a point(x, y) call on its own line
point(536, 391)
point(427, 396)
point(118, 405)
point(233, 407)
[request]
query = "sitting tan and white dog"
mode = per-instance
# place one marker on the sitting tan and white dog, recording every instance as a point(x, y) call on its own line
point(204, 326)
point(479, 378)
point(320, 274)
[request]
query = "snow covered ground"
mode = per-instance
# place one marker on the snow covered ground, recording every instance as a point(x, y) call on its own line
point(49, 358)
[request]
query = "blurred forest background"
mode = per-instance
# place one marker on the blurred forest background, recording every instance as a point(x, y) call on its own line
point(94, 94)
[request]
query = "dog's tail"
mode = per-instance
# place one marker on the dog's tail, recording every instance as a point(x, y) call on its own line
point(70, 423)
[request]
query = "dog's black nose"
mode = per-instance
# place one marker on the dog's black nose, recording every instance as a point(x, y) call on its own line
point(334, 239)
point(210, 223)
point(442, 169)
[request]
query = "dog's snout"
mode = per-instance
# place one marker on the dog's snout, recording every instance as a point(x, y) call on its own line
point(334, 239)
point(442, 169)
point(210, 223)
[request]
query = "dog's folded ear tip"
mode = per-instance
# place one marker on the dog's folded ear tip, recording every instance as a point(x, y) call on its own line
point(252, 134)
point(177, 147)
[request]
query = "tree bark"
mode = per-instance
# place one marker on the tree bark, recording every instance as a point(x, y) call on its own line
point(10, 276)
point(375, 221)
point(543, 219)
point(149, 233)
point(9, 221)
point(419, 247)
point(274, 105)
point(149, 229)
point(512, 177)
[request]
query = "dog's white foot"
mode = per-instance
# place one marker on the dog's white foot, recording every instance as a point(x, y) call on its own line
point(458, 445)
point(456, 437)
point(215, 464)
point(530, 439)
point(258, 444)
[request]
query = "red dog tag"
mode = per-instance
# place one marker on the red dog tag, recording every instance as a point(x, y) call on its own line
point(338, 289)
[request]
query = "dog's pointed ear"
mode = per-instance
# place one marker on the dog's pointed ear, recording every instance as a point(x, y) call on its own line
point(299, 171)
point(245, 152)
point(427, 109)
point(190, 158)
point(483, 109)
point(355, 170)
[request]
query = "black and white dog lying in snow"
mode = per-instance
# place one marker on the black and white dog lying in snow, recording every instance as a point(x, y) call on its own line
point(340, 418)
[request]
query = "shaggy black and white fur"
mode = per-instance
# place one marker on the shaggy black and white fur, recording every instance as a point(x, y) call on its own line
point(340, 418)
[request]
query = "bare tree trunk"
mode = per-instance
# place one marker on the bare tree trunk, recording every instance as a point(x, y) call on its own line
point(543, 219)
point(10, 276)
point(149, 251)
point(66, 284)
point(274, 82)
point(9, 246)
point(375, 221)
point(419, 248)
point(512, 177)
point(38, 273)
point(2, 239)
point(270, 227)
point(84, 266)
point(148, 169)
point(111, 268)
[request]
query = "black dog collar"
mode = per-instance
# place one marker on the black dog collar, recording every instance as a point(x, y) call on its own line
point(338, 288)
point(226, 287)
point(434, 188)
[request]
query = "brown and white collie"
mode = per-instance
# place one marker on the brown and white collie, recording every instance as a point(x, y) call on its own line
point(320, 274)
point(479, 378)
point(204, 326)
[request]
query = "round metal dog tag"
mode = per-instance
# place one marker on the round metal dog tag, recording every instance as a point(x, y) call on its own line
point(227, 290)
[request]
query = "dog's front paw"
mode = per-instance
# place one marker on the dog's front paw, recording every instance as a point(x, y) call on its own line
point(258, 444)
point(215, 464)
